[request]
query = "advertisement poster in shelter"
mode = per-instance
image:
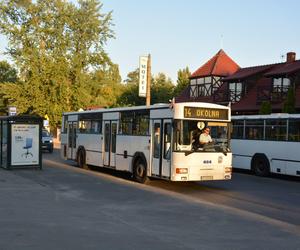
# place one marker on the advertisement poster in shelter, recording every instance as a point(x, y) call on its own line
point(24, 144)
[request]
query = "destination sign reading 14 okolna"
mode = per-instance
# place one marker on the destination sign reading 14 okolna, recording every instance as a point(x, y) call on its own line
point(205, 113)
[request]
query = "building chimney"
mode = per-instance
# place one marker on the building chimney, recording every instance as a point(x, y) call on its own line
point(290, 57)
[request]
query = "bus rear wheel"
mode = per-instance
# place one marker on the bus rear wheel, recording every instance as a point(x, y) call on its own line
point(260, 165)
point(140, 172)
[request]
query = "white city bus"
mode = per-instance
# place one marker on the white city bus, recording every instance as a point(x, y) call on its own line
point(154, 141)
point(267, 143)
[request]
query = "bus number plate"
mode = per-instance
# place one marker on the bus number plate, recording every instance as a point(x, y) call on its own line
point(206, 178)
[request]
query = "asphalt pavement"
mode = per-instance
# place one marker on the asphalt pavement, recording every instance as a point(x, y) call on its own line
point(64, 207)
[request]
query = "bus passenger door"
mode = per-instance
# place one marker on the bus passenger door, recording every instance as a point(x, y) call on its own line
point(161, 148)
point(71, 151)
point(110, 135)
point(166, 149)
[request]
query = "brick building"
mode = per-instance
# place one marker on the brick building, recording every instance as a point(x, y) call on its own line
point(220, 80)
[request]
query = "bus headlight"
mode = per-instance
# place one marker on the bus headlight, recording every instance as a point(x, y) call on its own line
point(228, 170)
point(181, 170)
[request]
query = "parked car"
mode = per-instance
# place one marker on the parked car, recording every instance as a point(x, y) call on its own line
point(47, 141)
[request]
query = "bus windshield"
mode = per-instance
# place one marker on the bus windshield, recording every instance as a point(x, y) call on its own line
point(187, 134)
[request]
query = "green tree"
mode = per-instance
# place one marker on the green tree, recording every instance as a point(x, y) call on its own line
point(183, 80)
point(106, 86)
point(55, 45)
point(290, 102)
point(265, 108)
point(130, 94)
point(162, 89)
point(8, 74)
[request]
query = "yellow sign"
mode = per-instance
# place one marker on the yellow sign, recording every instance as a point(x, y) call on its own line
point(206, 113)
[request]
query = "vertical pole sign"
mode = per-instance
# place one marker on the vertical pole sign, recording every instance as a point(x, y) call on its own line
point(143, 76)
point(148, 93)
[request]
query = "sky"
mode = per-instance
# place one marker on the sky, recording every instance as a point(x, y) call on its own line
point(185, 33)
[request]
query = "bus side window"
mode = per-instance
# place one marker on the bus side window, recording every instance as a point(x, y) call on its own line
point(237, 129)
point(156, 143)
point(254, 129)
point(167, 141)
point(294, 130)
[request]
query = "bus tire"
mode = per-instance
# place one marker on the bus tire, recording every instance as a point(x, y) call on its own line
point(81, 158)
point(260, 165)
point(139, 170)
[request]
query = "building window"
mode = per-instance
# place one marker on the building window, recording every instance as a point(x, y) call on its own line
point(235, 91)
point(281, 84)
point(201, 87)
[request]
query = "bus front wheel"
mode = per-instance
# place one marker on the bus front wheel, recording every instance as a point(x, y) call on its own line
point(81, 161)
point(260, 165)
point(140, 171)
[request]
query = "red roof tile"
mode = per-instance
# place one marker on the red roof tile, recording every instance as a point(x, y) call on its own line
point(269, 70)
point(219, 65)
point(246, 72)
point(284, 68)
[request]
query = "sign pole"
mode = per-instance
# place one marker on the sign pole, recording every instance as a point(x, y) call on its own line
point(148, 92)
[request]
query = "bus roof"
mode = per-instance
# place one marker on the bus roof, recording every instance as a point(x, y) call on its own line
point(154, 106)
point(270, 116)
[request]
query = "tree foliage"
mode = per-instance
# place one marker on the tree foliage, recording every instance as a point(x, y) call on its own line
point(265, 108)
point(290, 102)
point(183, 80)
point(7, 72)
point(161, 90)
point(57, 47)
point(106, 86)
point(8, 75)
point(130, 94)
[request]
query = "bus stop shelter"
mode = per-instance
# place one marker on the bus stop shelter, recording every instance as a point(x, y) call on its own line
point(21, 141)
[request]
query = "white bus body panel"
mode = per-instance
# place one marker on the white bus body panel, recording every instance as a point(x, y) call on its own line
point(111, 116)
point(72, 118)
point(161, 113)
point(92, 144)
point(201, 166)
point(131, 144)
point(282, 155)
